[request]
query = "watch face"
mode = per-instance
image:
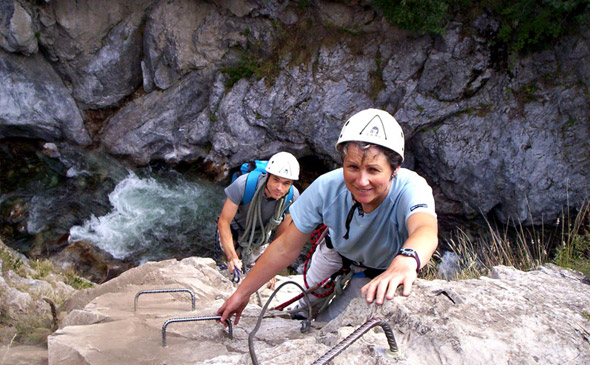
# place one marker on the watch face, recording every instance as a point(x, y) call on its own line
point(407, 252)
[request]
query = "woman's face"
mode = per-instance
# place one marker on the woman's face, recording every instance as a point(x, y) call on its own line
point(367, 175)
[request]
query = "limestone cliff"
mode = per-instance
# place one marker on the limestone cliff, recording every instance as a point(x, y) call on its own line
point(216, 83)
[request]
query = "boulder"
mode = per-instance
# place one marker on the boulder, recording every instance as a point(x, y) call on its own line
point(35, 103)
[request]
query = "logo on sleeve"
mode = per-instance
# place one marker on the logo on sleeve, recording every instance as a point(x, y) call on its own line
point(418, 206)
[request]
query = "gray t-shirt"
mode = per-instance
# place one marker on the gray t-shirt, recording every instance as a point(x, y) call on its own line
point(235, 192)
point(374, 238)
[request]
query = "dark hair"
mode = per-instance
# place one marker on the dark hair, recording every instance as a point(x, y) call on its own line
point(394, 159)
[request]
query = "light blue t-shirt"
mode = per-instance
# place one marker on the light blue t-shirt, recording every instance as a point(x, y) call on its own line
point(374, 238)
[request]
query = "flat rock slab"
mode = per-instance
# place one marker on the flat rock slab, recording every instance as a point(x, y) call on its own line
point(509, 317)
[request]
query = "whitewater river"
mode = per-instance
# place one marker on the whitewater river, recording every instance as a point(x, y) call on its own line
point(53, 194)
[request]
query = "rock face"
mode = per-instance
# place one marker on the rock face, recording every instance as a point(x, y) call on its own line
point(509, 317)
point(506, 136)
point(30, 296)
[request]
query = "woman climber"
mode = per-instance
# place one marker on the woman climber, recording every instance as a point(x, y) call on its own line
point(380, 218)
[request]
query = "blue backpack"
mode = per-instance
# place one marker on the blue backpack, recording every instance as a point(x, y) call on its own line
point(254, 169)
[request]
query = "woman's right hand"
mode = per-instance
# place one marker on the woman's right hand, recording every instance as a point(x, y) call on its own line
point(234, 305)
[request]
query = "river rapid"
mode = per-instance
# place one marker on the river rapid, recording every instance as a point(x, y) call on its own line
point(53, 195)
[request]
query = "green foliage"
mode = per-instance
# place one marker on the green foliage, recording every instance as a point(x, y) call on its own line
point(526, 248)
point(521, 248)
point(528, 26)
point(11, 262)
point(42, 268)
point(525, 25)
point(574, 249)
point(245, 68)
point(423, 16)
point(77, 282)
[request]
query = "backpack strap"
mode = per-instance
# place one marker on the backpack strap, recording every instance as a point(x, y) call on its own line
point(289, 200)
point(251, 184)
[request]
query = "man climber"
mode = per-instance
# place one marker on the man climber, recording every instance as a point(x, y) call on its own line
point(257, 203)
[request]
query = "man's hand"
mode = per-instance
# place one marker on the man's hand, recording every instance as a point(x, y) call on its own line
point(271, 284)
point(233, 264)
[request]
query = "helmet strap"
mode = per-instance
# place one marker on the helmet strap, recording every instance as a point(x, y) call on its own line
point(356, 205)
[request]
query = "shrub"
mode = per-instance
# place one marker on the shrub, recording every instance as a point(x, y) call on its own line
point(525, 26)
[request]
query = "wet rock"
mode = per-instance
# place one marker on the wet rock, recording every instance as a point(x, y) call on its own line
point(90, 261)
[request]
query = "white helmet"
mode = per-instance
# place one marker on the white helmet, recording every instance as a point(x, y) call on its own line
point(283, 164)
point(376, 127)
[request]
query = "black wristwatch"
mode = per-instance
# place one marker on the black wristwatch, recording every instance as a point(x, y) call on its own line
point(410, 253)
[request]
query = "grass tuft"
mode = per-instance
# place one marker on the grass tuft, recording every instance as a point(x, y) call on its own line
point(523, 248)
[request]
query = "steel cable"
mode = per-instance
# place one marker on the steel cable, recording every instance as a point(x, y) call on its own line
point(305, 325)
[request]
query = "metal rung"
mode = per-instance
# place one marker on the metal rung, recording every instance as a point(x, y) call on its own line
point(231, 336)
point(163, 291)
point(356, 335)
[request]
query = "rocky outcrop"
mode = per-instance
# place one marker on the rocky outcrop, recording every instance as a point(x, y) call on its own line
point(498, 135)
point(508, 317)
point(35, 103)
point(31, 294)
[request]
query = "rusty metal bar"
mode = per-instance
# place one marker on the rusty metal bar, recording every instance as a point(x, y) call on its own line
point(163, 291)
point(355, 336)
point(202, 318)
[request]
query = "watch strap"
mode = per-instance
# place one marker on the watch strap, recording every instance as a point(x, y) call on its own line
point(411, 253)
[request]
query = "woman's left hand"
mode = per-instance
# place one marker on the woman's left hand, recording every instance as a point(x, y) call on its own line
point(402, 271)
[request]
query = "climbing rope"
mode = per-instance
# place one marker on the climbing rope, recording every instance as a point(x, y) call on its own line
point(338, 285)
point(256, 234)
point(304, 326)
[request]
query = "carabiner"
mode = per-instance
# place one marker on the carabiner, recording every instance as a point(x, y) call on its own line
point(237, 275)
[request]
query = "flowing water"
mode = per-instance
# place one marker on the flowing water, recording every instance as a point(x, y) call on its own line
point(54, 195)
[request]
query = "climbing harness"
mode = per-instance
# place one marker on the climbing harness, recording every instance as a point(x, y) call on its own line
point(334, 284)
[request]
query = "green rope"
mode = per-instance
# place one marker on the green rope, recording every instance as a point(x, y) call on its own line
point(256, 234)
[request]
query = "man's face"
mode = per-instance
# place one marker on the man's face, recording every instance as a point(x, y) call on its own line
point(277, 187)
